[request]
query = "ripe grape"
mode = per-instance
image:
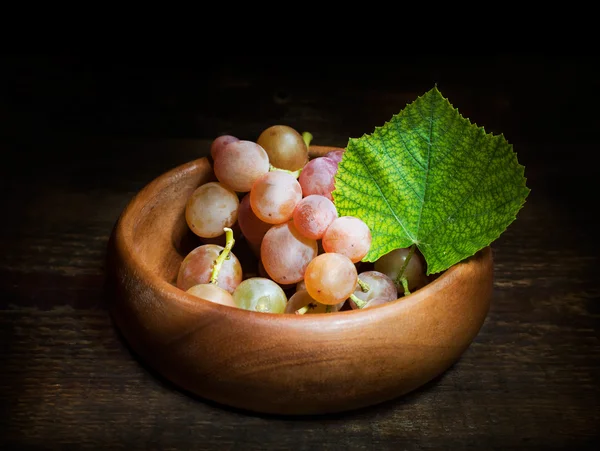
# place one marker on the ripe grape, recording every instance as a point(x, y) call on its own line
point(330, 278)
point(348, 235)
point(285, 253)
point(317, 177)
point(210, 209)
point(251, 227)
point(301, 303)
point(212, 293)
point(260, 295)
point(313, 215)
point(239, 164)
point(285, 147)
point(335, 155)
point(274, 197)
point(380, 286)
point(219, 143)
point(196, 268)
point(391, 263)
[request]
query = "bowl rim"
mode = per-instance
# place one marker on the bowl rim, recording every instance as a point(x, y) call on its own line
point(126, 227)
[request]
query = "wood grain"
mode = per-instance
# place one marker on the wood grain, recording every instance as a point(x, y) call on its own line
point(529, 381)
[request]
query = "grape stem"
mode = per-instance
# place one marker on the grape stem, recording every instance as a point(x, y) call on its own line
point(364, 286)
point(358, 301)
point(307, 137)
point(224, 255)
point(401, 279)
point(404, 282)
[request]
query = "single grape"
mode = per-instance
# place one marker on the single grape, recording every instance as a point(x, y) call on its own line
point(285, 253)
point(251, 226)
point(262, 272)
point(348, 235)
point(335, 155)
point(197, 266)
point(260, 295)
point(313, 215)
point(317, 177)
point(212, 293)
point(274, 197)
point(391, 264)
point(380, 286)
point(301, 303)
point(219, 143)
point(330, 278)
point(239, 164)
point(210, 209)
point(285, 147)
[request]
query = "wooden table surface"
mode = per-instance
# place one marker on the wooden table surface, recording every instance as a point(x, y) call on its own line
point(81, 137)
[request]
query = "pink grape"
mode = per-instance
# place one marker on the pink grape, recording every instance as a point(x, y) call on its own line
point(335, 155)
point(330, 278)
point(348, 235)
point(212, 293)
point(219, 143)
point(313, 215)
point(196, 268)
point(211, 208)
point(380, 286)
point(317, 177)
point(285, 253)
point(274, 197)
point(239, 164)
point(251, 226)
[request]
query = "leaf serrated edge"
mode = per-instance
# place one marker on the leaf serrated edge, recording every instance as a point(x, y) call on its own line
point(519, 167)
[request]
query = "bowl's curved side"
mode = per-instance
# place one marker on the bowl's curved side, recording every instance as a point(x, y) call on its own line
point(283, 364)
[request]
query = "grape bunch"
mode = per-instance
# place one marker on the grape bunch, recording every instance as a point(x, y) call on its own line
point(281, 203)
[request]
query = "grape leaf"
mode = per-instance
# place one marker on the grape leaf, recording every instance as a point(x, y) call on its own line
point(430, 177)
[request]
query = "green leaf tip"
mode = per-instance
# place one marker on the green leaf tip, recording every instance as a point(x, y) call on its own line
point(430, 177)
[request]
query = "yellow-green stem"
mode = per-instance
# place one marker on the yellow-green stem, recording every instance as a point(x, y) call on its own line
point(364, 286)
point(224, 255)
point(358, 301)
point(404, 282)
point(307, 137)
point(401, 277)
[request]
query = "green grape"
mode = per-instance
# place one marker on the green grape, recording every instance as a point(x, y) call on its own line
point(260, 295)
point(391, 264)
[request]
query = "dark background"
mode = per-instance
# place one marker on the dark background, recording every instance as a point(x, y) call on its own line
point(81, 135)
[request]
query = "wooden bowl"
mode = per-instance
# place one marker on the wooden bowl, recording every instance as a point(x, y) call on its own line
point(279, 363)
